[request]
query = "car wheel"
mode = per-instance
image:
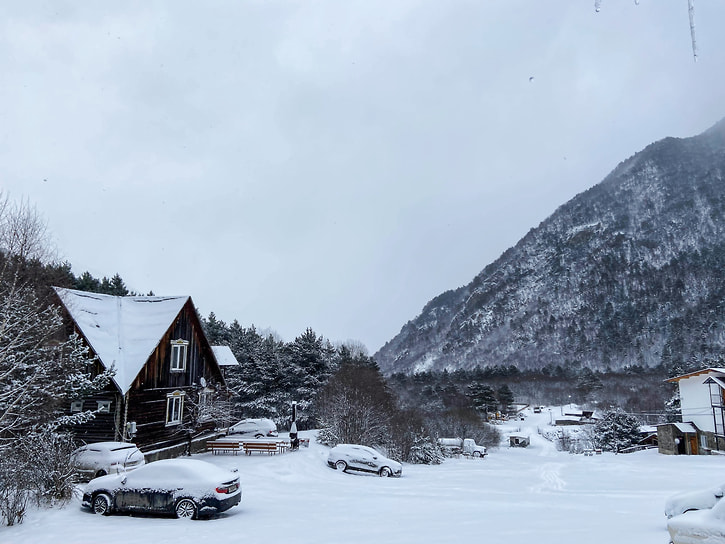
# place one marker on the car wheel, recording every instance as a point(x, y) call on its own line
point(102, 504)
point(385, 472)
point(477, 454)
point(100, 473)
point(185, 509)
point(341, 465)
point(259, 435)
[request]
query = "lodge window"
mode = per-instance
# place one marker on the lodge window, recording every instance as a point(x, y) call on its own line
point(178, 355)
point(174, 407)
point(104, 406)
point(76, 406)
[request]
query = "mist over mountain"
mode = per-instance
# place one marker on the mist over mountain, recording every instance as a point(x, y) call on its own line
point(630, 273)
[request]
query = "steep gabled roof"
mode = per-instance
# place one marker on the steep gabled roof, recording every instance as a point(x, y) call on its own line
point(122, 331)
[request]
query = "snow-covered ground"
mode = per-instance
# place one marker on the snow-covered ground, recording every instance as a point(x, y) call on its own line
point(533, 495)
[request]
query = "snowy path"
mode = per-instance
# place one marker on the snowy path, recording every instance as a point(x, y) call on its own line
point(527, 495)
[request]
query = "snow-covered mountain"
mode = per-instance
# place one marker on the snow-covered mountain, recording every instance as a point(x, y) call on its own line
point(629, 273)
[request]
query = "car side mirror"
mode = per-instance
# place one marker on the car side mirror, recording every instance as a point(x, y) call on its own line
point(719, 494)
point(123, 480)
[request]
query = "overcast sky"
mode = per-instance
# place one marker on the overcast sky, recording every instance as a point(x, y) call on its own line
point(331, 164)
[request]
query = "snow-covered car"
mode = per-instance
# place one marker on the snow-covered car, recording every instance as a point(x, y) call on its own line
point(187, 488)
point(467, 446)
point(101, 458)
point(352, 457)
point(258, 428)
point(704, 499)
point(699, 526)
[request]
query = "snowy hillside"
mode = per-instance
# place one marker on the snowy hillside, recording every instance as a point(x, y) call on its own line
point(627, 273)
point(533, 495)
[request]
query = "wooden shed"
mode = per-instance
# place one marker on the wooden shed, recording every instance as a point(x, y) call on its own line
point(519, 441)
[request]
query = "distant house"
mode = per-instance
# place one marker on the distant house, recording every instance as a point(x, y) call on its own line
point(577, 417)
point(648, 434)
point(519, 441)
point(702, 403)
point(163, 362)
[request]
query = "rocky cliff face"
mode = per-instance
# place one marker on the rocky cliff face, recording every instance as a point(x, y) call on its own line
point(629, 273)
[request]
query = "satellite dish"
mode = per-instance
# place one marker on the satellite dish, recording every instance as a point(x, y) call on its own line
point(202, 381)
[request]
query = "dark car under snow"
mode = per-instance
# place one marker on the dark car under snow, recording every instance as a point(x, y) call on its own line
point(187, 488)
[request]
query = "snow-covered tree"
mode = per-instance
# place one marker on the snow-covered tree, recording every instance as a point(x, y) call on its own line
point(615, 431)
point(23, 231)
point(505, 398)
point(425, 450)
point(483, 397)
point(355, 406)
point(673, 408)
point(41, 372)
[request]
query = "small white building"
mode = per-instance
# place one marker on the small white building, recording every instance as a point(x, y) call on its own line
point(701, 398)
point(702, 404)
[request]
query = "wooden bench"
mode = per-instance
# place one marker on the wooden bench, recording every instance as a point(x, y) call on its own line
point(223, 446)
point(262, 447)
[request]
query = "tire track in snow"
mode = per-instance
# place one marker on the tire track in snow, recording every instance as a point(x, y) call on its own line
point(549, 474)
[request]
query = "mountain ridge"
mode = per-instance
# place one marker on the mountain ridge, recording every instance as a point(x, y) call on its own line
point(611, 279)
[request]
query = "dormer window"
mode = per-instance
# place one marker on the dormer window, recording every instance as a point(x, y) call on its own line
point(178, 355)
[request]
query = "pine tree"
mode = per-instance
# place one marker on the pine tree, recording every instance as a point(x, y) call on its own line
point(425, 450)
point(505, 397)
point(483, 397)
point(86, 282)
point(615, 431)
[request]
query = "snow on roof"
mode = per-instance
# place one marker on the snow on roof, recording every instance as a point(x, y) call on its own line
point(686, 427)
point(715, 380)
point(122, 331)
point(720, 371)
point(224, 356)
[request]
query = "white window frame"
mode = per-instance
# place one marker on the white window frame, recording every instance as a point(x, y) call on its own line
point(104, 407)
point(76, 406)
point(174, 408)
point(179, 350)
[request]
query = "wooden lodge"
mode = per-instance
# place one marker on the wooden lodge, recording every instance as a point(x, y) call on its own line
point(164, 367)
